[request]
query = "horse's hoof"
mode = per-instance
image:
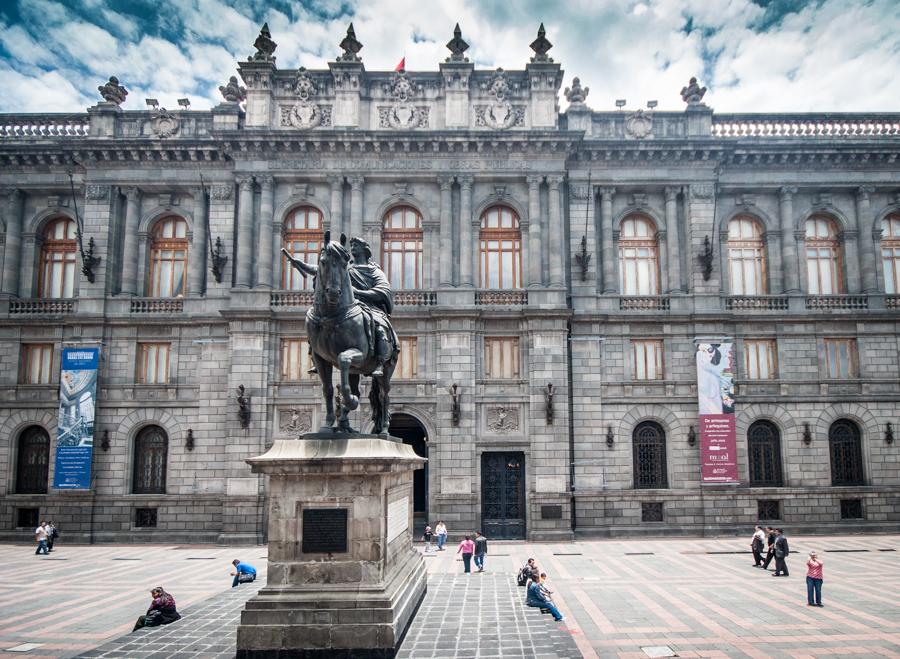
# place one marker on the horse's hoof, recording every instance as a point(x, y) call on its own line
point(353, 403)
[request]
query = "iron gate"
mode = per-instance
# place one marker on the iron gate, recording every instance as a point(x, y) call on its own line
point(503, 495)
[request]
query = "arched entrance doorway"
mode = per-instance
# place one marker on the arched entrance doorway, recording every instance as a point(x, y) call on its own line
point(412, 432)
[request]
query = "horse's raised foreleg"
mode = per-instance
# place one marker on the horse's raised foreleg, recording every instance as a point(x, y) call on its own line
point(324, 368)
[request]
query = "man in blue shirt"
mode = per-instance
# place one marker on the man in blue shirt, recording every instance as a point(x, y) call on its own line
point(536, 597)
point(243, 573)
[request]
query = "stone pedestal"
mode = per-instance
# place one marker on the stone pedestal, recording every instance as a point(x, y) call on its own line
point(343, 579)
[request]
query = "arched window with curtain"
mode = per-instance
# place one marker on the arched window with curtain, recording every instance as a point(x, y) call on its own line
point(890, 253)
point(638, 257)
point(302, 238)
point(649, 444)
point(168, 257)
point(823, 257)
point(33, 461)
point(56, 276)
point(746, 257)
point(402, 248)
point(500, 248)
point(764, 451)
point(151, 449)
point(845, 450)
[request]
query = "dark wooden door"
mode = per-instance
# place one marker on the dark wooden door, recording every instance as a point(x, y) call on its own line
point(503, 495)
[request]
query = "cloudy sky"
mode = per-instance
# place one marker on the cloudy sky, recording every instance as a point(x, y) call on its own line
point(754, 55)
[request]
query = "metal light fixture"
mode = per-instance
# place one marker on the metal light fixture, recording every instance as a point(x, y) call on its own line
point(652, 104)
point(549, 395)
point(807, 435)
point(889, 434)
point(152, 103)
point(185, 103)
point(455, 412)
point(88, 260)
point(189, 442)
point(609, 436)
point(706, 258)
point(691, 436)
point(620, 103)
point(243, 402)
point(104, 443)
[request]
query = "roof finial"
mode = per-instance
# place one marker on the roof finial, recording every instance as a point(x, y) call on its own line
point(264, 46)
point(351, 46)
point(540, 46)
point(457, 46)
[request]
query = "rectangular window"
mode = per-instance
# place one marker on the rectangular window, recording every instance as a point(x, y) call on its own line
point(851, 509)
point(647, 363)
point(652, 511)
point(145, 518)
point(501, 358)
point(408, 364)
point(153, 363)
point(37, 363)
point(27, 518)
point(840, 359)
point(296, 360)
point(759, 359)
point(768, 509)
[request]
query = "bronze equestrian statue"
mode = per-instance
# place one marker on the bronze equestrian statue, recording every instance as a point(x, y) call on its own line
point(349, 328)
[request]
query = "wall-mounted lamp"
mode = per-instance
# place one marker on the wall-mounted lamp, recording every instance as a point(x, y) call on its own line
point(455, 411)
point(807, 435)
point(104, 443)
point(706, 258)
point(652, 104)
point(620, 103)
point(152, 103)
point(549, 395)
point(185, 103)
point(243, 402)
point(609, 436)
point(889, 434)
point(692, 436)
point(189, 442)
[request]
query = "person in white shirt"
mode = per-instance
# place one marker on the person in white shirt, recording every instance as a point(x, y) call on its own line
point(41, 534)
point(757, 543)
point(441, 532)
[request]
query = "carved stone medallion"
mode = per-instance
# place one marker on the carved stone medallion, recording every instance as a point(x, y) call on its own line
point(165, 124)
point(294, 421)
point(638, 125)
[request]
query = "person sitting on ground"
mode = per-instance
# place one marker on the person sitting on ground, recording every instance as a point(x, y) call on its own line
point(528, 572)
point(537, 599)
point(161, 612)
point(243, 573)
point(544, 589)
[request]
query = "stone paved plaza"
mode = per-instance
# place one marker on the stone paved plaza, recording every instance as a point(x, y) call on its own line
point(696, 597)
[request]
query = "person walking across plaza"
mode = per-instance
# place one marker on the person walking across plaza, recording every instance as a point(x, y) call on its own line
point(243, 573)
point(162, 610)
point(40, 535)
point(52, 535)
point(537, 598)
point(466, 547)
point(480, 550)
point(781, 553)
point(770, 547)
point(756, 545)
point(813, 580)
point(441, 532)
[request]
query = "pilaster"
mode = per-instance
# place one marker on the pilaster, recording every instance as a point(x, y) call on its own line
point(245, 232)
point(456, 93)
point(467, 243)
point(12, 251)
point(445, 248)
point(259, 78)
point(789, 259)
point(266, 231)
point(197, 256)
point(336, 184)
point(130, 241)
point(868, 258)
point(535, 272)
point(349, 80)
point(557, 246)
point(609, 284)
point(673, 248)
point(356, 205)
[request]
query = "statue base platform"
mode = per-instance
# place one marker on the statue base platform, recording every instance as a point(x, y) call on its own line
point(343, 577)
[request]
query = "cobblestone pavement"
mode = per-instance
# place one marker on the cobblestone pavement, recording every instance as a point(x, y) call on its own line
point(621, 598)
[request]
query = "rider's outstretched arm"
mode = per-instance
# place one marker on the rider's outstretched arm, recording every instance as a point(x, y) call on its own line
point(306, 269)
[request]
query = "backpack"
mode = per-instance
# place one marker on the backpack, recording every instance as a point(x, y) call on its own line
point(522, 577)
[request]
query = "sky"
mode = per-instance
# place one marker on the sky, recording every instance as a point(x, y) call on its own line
point(753, 55)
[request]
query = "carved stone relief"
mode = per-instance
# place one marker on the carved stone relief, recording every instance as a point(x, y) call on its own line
point(97, 192)
point(502, 419)
point(221, 192)
point(403, 116)
point(164, 124)
point(294, 420)
point(638, 125)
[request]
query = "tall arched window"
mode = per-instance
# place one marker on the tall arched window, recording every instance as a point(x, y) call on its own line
point(402, 247)
point(746, 257)
point(890, 254)
point(168, 257)
point(303, 240)
point(33, 461)
point(649, 443)
point(845, 449)
point(764, 443)
point(56, 277)
point(151, 448)
point(501, 248)
point(823, 257)
point(638, 257)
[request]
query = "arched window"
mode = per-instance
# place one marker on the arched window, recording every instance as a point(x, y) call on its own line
point(56, 276)
point(764, 442)
point(649, 442)
point(501, 248)
point(823, 257)
point(402, 247)
point(845, 448)
point(638, 257)
point(151, 448)
point(303, 240)
point(168, 257)
point(33, 462)
point(890, 254)
point(746, 257)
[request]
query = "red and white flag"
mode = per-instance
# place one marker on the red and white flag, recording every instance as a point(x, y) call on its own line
point(401, 66)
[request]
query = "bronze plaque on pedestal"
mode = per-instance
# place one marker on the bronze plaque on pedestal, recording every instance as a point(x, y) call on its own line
point(324, 530)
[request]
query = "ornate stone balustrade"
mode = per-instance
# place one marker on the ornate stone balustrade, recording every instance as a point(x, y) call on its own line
point(892, 301)
point(832, 302)
point(44, 125)
point(484, 298)
point(805, 125)
point(157, 305)
point(644, 303)
point(638, 125)
point(415, 298)
point(41, 306)
point(288, 299)
point(756, 303)
point(170, 125)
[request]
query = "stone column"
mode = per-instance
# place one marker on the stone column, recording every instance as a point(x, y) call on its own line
point(197, 257)
point(131, 240)
point(868, 257)
point(266, 230)
point(851, 258)
point(337, 204)
point(356, 206)
point(773, 262)
point(468, 246)
point(445, 276)
point(788, 242)
point(673, 248)
point(535, 271)
point(277, 259)
point(606, 240)
point(557, 252)
point(12, 253)
point(245, 232)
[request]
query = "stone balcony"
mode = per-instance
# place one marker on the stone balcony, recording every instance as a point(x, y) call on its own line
point(644, 303)
point(756, 303)
point(41, 306)
point(156, 305)
point(837, 302)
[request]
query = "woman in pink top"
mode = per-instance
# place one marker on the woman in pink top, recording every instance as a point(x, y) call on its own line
point(467, 547)
point(813, 580)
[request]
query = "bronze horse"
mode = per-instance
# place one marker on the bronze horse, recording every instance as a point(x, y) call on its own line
point(341, 334)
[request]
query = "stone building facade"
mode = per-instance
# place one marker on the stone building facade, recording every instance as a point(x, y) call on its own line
point(554, 271)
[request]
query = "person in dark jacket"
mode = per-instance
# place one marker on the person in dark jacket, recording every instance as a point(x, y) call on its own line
point(480, 550)
point(770, 547)
point(161, 612)
point(781, 553)
point(537, 598)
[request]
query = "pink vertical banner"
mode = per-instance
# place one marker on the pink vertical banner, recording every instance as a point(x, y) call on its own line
point(715, 393)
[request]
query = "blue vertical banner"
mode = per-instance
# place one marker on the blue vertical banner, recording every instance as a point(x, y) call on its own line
point(75, 428)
